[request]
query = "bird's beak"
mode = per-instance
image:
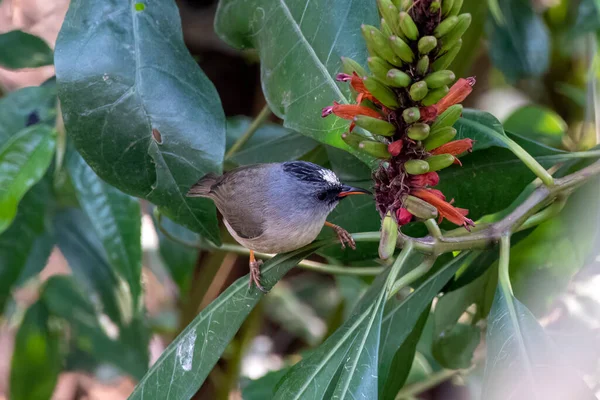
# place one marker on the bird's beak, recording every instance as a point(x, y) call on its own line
point(349, 190)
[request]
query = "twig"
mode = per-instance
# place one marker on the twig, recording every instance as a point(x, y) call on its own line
point(258, 121)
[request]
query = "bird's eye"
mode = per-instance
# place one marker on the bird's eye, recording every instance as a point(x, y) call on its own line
point(322, 196)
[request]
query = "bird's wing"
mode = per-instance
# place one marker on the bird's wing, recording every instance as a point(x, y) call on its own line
point(241, 198)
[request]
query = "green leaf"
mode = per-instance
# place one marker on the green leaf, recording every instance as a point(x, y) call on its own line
point(185, 364)
point(300, 45)
point(522, 362)
point(24, 159)
point(263, 388)
point(65, 299)
point(19, 49)
point(329, 370)
point(179, 259)
point(454, 348)
point(25, 245)
point(19, 107)
point(400, 318)
point(520, 46)
point(36, 354)
point(116, 219)
point(588, 17)
point(538, 123)
point(482, 127)
point(403, 362)
point(472, 39)
point(142, 115)
point(79, 243)
point(270, 143)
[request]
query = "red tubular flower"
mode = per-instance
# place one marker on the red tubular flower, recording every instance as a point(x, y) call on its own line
point(456, 147)
point(446, 210)
point(357, 84)
point(428, 179)
point(458, 92)
point(403, 216)
point(349, 111)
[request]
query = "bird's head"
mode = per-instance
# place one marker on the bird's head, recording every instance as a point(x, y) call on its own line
point(318, 186)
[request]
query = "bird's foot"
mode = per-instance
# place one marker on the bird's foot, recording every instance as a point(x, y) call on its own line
point(255, 275)
point(344, 237)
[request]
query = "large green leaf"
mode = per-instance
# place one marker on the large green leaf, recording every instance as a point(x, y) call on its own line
point(398, 322)
point(522, 362)
point(455, 347)
point(300, 44)
point(140, 111)
point(24, 159)
point(116, 218)
point(185, 364)
point(520, 45)
point(328, 371)
point(65, 299)
point(588, 17)
point(36, 354)
point(19, 49)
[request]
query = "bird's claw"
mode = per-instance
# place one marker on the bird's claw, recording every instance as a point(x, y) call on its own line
point(345, 237)
point(255, 275)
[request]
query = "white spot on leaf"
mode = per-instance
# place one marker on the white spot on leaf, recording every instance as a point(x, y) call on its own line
point(185, 350)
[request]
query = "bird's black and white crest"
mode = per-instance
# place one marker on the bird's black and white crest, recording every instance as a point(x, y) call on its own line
point(309, 172)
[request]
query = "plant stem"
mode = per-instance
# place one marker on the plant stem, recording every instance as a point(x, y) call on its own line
point(432, 381)
point(504, 264)
point(530, 162)
point(433, 228)
point(397, 266)
point(412, 276)
point(258, 121)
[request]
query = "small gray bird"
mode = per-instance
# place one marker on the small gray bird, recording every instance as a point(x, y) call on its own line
point(276, 208)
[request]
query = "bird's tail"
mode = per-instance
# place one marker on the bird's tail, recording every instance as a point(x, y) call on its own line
point(203, 187)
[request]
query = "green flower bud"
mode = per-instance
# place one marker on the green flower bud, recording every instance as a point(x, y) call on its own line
point(426, 44)
point(389, 12)
point(375, 125)
point(385, 28)
point(456, 6)
point(378, 42)
point(376, 149)
point(464, 21)
point(439, 79)
point(379, 67)
point(420, 208)
point(447, 7)
point(439, 137)
point(418, 131)
point(418, 91)
point(434, 6)
point(445, 27)
point(439, 162)
point(401, 49)
point(349, 66)
point(353, 139)
point(397, 78)
point(389, 236)
point(381, 92)
point(448, 118)
point(408, 27)
point(411, 115)
point(435, 95)
point(446, 59)
point(423, 65)
point(416, 167)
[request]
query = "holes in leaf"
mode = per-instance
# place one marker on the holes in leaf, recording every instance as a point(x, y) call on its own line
point(156, 136)
point(140, 6)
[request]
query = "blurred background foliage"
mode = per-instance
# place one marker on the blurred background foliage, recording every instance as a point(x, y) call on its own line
point(95, 284)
